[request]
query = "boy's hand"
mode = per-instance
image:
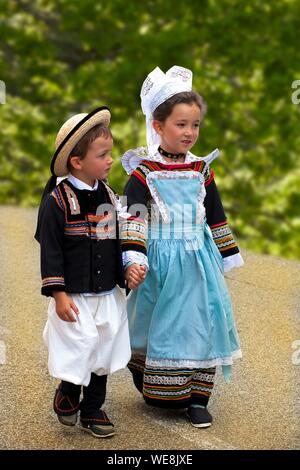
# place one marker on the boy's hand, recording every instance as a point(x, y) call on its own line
point(65, 307)
point(134, 275)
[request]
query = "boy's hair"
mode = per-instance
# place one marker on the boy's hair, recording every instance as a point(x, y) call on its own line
point(163, 111)
point(81, 148)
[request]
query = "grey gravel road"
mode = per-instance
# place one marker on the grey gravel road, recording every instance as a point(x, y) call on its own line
point(259, 409)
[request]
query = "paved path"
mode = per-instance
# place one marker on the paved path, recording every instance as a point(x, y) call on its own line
point(258, 410)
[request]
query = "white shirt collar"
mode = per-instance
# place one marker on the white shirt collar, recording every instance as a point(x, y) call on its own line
point(80, 184)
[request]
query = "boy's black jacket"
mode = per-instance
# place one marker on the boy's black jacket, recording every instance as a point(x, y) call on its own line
point(73, 257)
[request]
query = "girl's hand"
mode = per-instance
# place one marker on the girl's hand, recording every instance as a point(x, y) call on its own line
point(134, 275)
point(65, 307)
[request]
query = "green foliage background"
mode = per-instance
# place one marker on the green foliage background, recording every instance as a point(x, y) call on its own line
point(58, 58)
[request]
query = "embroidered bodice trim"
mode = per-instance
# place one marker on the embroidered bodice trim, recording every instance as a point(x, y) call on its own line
point(146, 167)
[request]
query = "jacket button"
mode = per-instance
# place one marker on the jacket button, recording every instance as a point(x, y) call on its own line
point(99, 288)
point(98, 272)
point(99, 256)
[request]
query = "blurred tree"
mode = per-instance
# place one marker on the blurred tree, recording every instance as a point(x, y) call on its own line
point(58, 58)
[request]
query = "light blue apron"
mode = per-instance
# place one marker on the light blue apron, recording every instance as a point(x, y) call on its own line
point(182, 315)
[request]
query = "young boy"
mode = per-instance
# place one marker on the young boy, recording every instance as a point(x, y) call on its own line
point(82, 270)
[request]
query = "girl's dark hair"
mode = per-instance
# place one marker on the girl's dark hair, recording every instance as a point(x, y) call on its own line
point(81, 148)
point(163, 111)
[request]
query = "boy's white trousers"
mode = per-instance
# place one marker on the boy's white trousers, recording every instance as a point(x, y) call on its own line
point(97, 342)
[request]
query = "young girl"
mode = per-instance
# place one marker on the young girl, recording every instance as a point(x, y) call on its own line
point(180, 319)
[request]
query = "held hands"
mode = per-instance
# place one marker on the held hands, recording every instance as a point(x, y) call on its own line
point(65, 307)
point(134, 275)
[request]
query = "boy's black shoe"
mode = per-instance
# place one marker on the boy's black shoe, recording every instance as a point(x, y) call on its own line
point(98, 425)
point(199, 417)
point(66, 407)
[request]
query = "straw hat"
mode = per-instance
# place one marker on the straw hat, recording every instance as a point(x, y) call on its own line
point(71, 132)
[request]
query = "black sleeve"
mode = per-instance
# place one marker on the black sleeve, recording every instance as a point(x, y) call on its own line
point(51, 234)
point(134, 231)
point(217, 221)
point(213, 205)
point(136, 192)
